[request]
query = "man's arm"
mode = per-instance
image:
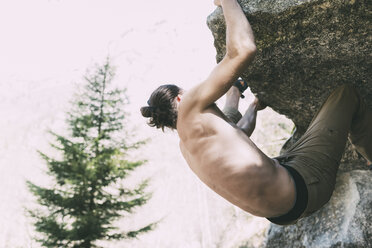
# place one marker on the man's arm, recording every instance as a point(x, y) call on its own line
point(248, 122)
point(240, 51)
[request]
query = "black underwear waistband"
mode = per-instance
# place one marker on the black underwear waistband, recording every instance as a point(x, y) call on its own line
point(301, 200)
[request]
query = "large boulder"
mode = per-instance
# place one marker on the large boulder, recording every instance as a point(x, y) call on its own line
point(305, 49)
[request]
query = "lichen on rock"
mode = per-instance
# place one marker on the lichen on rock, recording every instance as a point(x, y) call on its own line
point(305, 50)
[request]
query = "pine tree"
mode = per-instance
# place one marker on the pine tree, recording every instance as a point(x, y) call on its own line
point(87, 195)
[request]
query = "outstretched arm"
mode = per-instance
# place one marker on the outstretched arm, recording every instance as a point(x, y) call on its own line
point(239, 34)
point(240, 51)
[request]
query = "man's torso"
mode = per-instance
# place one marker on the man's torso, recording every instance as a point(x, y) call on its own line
point(219, 153)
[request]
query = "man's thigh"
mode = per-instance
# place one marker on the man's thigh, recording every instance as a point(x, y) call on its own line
point(317, 154)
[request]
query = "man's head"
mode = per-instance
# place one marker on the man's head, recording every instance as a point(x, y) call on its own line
point(162, 109)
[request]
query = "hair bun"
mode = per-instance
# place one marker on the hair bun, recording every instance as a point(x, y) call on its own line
point(162, 108)
point(147, 111)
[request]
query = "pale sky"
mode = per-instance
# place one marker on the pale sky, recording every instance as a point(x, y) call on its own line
point(42, 38)
point(45, 49)
point(150, 42)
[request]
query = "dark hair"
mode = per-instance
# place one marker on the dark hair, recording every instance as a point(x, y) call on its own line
point(162, 109)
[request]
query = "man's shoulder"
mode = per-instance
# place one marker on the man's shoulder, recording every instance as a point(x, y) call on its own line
point(188, 112)
point(190, 103)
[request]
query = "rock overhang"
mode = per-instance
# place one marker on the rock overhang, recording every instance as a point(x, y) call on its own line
point(305, 49)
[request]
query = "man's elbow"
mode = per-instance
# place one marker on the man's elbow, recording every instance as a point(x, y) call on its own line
point(248, 51)
point(245, 52)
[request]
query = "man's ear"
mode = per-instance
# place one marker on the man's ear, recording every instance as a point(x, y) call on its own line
point(178, 98)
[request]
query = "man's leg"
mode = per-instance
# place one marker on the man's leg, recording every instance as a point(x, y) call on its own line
point(344, 112)
point(361, 130)
point(328, 131)
point(317, 154)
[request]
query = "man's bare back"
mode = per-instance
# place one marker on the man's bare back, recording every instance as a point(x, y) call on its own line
point(210, 144)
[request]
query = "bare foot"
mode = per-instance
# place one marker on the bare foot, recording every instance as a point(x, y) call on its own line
point(217, 2)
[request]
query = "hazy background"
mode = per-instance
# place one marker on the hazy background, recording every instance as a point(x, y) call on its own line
point(45, 49)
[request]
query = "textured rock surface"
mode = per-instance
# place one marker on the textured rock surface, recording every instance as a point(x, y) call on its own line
point(305, 49)
point(345, 221)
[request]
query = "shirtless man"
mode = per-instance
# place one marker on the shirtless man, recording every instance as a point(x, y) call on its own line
point(217, 147)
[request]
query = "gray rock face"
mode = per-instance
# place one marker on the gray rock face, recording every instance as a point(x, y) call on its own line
point(306, 48)
point(345, 221)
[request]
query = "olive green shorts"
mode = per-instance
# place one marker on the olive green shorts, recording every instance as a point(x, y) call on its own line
point(316, 155)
